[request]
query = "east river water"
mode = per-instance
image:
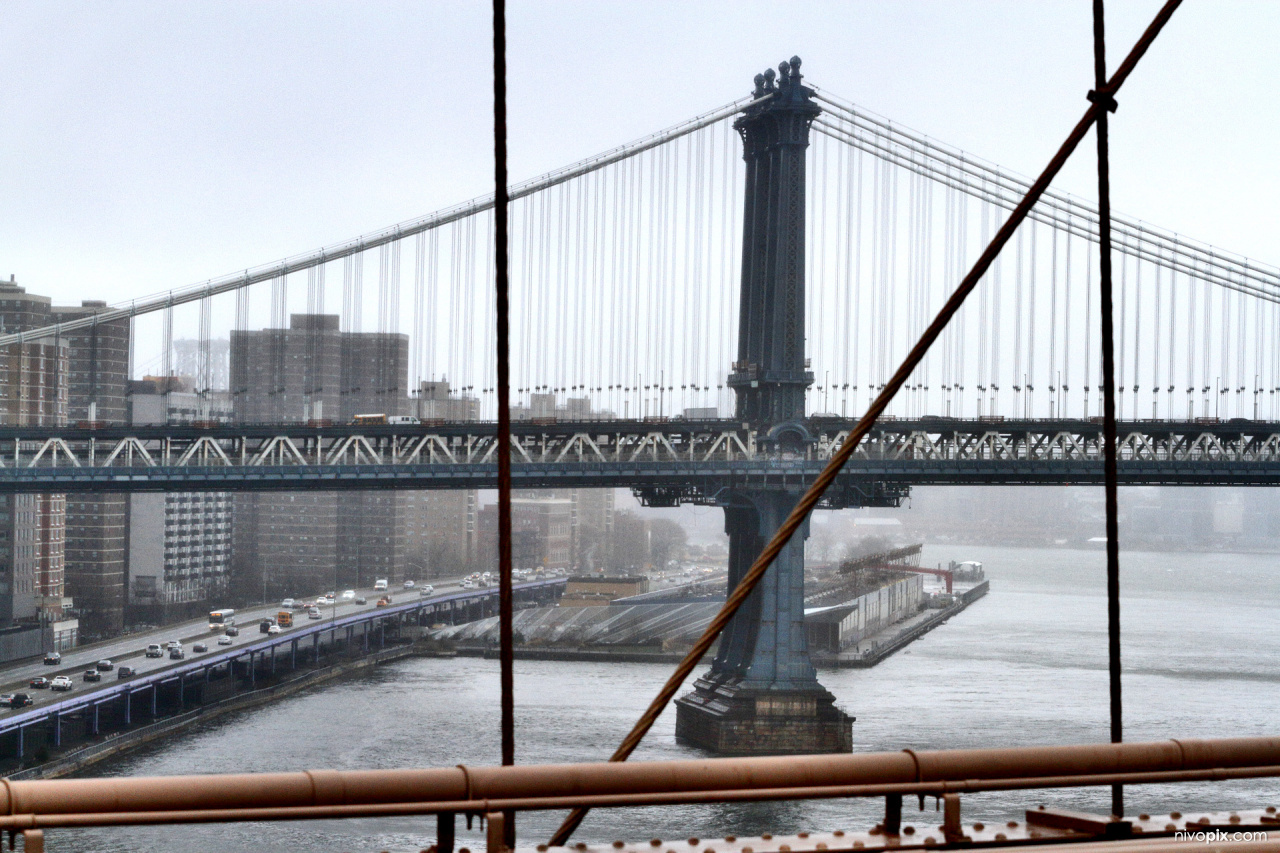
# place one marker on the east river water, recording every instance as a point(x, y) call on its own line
point(1025, 665)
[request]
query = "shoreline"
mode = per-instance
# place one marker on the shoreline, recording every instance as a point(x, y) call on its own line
point(123, 742)
point(899, 637)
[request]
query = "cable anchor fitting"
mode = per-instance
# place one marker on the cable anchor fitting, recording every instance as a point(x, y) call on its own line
point(1104, 99)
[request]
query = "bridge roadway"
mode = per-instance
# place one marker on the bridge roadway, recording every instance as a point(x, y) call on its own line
point(678, 459)
point(152, 672)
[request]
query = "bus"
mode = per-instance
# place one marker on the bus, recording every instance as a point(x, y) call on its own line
point(379, 419)
point(285, 618)
point(220, 619)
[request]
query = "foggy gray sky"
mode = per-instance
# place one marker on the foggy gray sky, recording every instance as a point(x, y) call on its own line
point(150, 145)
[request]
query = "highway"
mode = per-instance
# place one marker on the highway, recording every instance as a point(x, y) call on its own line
point(131, 649)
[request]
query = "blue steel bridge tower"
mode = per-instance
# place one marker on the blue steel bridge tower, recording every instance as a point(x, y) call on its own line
point(762, 694)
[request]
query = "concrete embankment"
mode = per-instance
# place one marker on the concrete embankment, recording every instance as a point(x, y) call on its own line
point(124, 741)
point(876, 648)
point(603, 654)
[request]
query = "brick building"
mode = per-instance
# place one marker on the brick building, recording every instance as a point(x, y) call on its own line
point(291, 543)
point(32, 527)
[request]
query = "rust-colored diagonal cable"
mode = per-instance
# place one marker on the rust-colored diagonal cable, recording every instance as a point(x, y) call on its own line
point(810, 498)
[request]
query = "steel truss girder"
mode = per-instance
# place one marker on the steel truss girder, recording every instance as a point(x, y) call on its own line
point(688, 457)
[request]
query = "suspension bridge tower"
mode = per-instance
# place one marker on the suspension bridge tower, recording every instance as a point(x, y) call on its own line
point(762, 694)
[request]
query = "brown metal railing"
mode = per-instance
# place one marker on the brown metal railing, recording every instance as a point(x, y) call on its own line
point(484, 790)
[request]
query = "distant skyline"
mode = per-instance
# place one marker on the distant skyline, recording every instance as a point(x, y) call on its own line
point(151, 145)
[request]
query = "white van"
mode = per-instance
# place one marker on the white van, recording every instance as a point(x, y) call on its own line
point(380, 585)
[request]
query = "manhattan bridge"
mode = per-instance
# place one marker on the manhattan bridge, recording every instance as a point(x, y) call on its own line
point(636, 335)
point(703, 332)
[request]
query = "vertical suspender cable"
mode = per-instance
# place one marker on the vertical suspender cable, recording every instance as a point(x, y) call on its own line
point(1053, 326)
point(1018, 384)
point(1191, 350)
point(995, 323)
point(1031, 325)
point(1173, 338)
point(962, 242)
point(1223, 379)
point(1257, 356)
point(1066, 329)
point(1104, 99)
point(983, 326)
point(1155, 347)
point(504, 412)
point(857, 336)
point(1208, 346)
point(1088, 323)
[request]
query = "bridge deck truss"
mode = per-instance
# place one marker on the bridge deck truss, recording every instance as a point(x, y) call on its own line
point(691, 456)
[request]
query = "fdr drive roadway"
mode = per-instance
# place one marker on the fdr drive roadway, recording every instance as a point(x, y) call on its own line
point(360, 624)
point(665, 460)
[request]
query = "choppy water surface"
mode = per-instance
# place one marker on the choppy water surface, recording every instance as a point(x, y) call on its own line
point(1026, 665)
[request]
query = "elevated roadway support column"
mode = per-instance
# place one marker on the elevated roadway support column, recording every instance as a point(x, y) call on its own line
point(762, 695)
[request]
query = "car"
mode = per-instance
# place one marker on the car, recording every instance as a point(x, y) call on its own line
point(265, 625)
point(61, 683)
point(17, 700)
point(198, 648)
point(380, 585)
point(274, 629)
point(177, 653)
point(39, 682)
point(287, 604)
point(154, 651)
point(408, 584)
point(92, 675)
point(424, 591)
point(126, 672)
point(348, 595)
point(105, 665)
point(313, 613)
point(330, 594)
point(326, 601)
point(362, 600)
point(173, 644)
point(52, 658)
point(233, 631)
point(225, 640)
point(384, 601)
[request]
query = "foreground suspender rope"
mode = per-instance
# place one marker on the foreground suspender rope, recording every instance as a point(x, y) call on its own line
point(891, 388)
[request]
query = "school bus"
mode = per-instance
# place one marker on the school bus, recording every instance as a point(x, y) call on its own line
point(285, 618)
